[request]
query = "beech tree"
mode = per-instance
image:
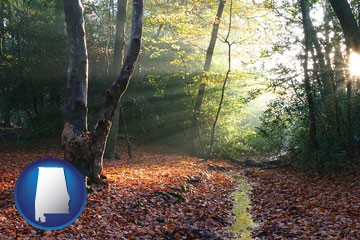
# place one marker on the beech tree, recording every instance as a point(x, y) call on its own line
point(82, 147)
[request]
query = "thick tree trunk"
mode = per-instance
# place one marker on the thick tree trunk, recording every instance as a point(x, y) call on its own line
point(75, 132)
point(110, 151)
point(83, 148)
point(348, 23)
point(309, 96)
point(351, 31)
point(209, 55)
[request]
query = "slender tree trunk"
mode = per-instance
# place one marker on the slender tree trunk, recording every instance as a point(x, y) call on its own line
point(206, 69)
point(349, 109)
point(159, 31)
point(339, 65)
point(358, 7)
point(309, 96)
point(127, 138)
point(319, 60)
point(2, 28)
point(7, 116)
point(349, 123)
point(83, 148)
point(224, 83)
point(214, 34)
point(110, 151)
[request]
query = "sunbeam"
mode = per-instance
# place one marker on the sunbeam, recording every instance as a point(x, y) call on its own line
point(354, 65)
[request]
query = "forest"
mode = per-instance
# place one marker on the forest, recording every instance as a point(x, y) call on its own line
point(188, 119)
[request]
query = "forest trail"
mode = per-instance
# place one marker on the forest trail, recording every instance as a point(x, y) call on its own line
point(162, 194)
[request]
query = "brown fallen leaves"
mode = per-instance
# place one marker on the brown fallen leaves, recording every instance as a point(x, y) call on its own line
point(152, 196)
point(289, 204)
point(173, 196)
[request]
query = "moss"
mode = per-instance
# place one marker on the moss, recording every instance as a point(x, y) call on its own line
point(243, 219)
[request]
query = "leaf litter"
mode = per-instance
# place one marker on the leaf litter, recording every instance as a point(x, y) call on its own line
point(288, 204)
point(173, 196)
point(151, 196)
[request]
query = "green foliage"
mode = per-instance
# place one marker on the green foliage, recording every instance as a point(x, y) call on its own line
point(160, 100)
point(286, 121)
point(33, 58)
point(243, 104)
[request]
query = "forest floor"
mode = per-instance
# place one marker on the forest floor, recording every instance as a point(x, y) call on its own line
point(167, 195)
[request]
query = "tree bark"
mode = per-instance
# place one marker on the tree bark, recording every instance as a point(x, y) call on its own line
point(214, 34)
point(110, 150)
point(83, 148)
point(339, 78)
point(349, 109)
point(75, 128)
point(2, 28)
point(308, 92)
point(351, 32)
point(348, 23)
point(319, 60)
point(209, 54)
point(111, 142)
point(212, 138)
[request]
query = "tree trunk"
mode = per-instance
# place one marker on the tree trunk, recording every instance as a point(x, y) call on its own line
point(349, 107)
point(7, 116)
point(2, 28)
point(339, 78)
point(358, 7)
point(75, 131)
point(127, 138)
point(110, 151)
point(214, 34)
point(209, 55)
point(309, 96)
point(83, 148)
point(319, 61)
point(212, 138)
point(351, 32)
point(348, 23)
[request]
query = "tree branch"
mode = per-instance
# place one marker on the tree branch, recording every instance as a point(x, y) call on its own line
point(117, 88)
